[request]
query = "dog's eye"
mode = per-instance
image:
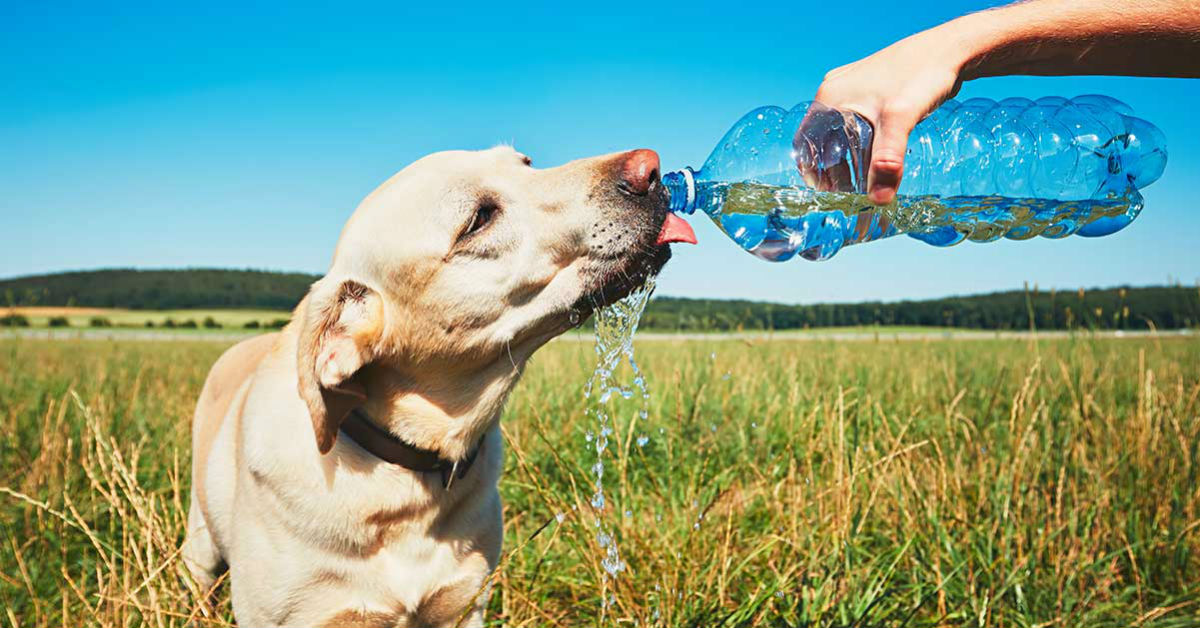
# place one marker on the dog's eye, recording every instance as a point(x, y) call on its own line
point(484, 213)
point(526, 160)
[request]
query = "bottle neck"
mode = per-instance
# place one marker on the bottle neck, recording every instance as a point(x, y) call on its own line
point(681, 186)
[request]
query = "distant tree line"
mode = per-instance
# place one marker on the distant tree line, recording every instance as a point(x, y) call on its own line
point(1162, 307)
point(160, 289)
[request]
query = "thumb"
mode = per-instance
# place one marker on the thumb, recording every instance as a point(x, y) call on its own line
point(887, 157)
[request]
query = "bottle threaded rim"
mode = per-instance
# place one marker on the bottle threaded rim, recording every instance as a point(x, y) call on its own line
point(681, 186)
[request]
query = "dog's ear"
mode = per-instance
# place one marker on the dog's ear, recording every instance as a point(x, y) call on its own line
point(341, 327)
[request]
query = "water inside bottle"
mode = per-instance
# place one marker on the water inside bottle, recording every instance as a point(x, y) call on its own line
point(607, 391)
point(778, 222)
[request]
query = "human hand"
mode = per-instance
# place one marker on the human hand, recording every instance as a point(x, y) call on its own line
point(893, 89)
point(898, 86)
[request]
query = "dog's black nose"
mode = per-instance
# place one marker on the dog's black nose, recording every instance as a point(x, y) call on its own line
point(639, 171)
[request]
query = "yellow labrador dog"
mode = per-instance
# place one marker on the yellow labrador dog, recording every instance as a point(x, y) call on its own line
point(344, 470)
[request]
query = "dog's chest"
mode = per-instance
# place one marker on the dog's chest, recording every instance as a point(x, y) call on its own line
point(411, 567)
point(414, 577)
point(379, 543)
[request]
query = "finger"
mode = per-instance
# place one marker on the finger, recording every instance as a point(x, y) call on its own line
point(887, 157)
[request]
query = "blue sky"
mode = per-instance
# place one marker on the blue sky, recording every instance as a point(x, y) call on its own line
point(214, 134)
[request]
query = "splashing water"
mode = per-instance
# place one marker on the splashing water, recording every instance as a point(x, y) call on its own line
point(615, 328)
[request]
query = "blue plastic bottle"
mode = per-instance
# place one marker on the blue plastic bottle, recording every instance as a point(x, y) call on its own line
point(976, 170)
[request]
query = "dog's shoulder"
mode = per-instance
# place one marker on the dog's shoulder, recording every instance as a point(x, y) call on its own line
point(227, 377)
point(234, 366)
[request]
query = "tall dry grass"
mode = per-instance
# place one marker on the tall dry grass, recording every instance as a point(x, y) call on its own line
point(94, 471)
point(984, 483)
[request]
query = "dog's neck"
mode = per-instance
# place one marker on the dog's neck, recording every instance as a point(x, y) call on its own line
point(384, 445)
point(448, 415)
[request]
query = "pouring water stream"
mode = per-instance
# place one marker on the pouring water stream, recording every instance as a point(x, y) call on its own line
point(615, 328)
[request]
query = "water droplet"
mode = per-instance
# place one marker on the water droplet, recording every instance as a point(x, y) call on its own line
point(612, 562)
point(642, 440)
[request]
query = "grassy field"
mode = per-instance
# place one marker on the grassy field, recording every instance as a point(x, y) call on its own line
point(931, 483)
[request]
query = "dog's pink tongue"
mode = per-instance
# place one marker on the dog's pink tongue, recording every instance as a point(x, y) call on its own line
point(676, 229)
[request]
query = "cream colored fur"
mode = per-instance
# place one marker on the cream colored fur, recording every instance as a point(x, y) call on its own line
point(427, 330)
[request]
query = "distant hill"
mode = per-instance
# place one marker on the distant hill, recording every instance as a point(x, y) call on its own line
point(160, 289)
point(1161, 307)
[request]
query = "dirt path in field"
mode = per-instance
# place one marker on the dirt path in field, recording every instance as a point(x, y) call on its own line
point(752, 337)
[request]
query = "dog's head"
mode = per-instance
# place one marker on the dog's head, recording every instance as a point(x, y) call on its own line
point(450, 274)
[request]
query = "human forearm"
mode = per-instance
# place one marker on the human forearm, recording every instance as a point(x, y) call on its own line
point(1060, 37)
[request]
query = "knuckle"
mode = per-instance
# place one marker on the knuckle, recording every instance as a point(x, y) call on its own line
point(828, 94)
point(836, 72)
point(888, 160)
point(889, 151)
